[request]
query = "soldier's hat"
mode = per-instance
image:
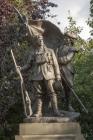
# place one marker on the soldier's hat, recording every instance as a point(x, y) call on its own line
point(36, 26)
point(71, 35)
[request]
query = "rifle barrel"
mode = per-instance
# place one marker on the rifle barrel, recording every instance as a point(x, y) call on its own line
point(76, 96)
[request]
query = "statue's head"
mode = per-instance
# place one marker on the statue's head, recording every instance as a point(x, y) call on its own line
point(70, 37)
point(38, 40)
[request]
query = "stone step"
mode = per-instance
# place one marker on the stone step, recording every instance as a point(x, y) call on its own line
point(49, 128)
point(80, 137)
point(46, 137)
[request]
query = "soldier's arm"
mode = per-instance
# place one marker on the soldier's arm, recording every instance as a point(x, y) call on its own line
point(56, 66)
point(67, 54)
point(30, 30)
point(66, 59)
point(28, 65)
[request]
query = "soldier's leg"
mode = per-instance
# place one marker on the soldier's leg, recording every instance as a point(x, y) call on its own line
point(68, 95)
point(53, 97)
point(69, 101)
point(38, 94)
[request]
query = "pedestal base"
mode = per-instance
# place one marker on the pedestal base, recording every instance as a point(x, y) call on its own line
point(50, 131)
point(68, 116)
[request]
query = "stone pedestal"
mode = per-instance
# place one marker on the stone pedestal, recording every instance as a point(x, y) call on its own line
point(61, 130)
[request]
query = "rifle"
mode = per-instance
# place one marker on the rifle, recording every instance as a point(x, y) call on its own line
point(25, 96)
point(76, 96)
point(19, 15)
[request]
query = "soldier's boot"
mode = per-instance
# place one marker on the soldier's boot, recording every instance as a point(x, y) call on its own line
point(69, 105)
point(39, 108)
point(55, 105)
point(70, 108)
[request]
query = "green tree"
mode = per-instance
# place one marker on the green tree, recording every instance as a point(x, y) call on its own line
point(83, 87)
point(72, 26)
point(90, 20)
point(83, 80)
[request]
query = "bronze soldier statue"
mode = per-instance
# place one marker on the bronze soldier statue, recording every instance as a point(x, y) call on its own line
point(65, 54)
point(44, 72)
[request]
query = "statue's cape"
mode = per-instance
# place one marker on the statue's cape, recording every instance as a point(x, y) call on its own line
point(53, 37)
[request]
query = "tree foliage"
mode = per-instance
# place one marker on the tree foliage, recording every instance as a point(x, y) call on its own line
point(72, 26)
point(90, 20)
point(83, 87)
point(83, 78)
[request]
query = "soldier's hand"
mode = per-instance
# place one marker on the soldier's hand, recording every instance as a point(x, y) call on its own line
point(18, 67)
point(58, 85)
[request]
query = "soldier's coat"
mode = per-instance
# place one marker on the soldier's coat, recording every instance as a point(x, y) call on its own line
point(65, 56)
point(43, 65)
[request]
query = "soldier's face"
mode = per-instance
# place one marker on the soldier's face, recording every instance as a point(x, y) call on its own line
point(39, 41)
point(70, 40)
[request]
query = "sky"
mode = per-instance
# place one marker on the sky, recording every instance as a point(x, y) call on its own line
point(79, 10)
